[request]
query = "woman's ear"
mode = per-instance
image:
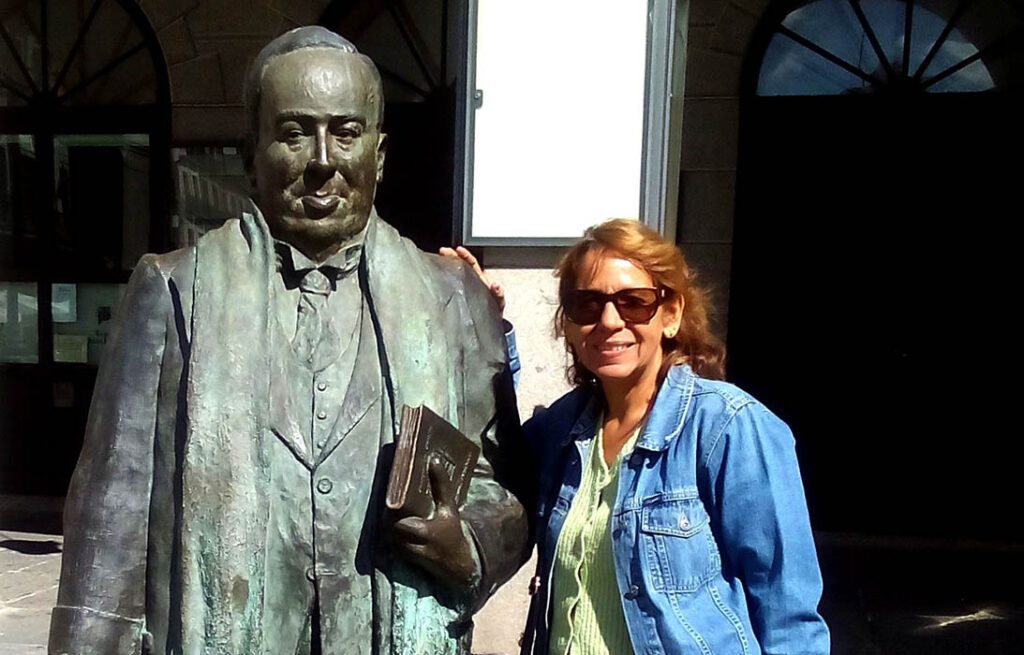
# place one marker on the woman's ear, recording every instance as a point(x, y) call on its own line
point(672, 317)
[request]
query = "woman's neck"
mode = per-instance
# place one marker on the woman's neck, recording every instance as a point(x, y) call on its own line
point(627, 402)
point(626, 406)
point(630, 397)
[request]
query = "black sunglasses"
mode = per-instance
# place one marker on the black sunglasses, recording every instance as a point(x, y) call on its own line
point(584, 306)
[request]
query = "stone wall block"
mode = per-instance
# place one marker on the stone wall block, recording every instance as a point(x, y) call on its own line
point(734, 29)
point(208, 124)
point(699, 37)
point(177, 42)
point(705, 12)
point(198, 81)
point(223, 18)
point(710, 129)
point(712, 73)
point(300, 13)
point(234, 55)
point(708, 200)
point(754, 7)
point(713, 263)
point(162, 13)
point(532, 295)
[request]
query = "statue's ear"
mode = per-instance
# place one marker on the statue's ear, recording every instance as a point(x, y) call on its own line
point(382, 146)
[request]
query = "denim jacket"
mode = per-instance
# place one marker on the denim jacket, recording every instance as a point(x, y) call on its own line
point(712, 544)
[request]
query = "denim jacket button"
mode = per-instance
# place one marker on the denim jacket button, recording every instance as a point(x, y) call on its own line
point(632, 592)
point(684, 523)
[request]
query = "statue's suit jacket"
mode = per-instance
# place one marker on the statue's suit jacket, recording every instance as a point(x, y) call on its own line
point(165, 525)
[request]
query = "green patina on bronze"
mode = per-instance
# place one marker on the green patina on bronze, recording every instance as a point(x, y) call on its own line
point(191, 501)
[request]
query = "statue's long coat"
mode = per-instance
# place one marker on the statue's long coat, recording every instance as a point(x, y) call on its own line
point(166, 517)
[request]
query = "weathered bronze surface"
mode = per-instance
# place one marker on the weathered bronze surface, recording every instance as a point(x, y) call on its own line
point(229, 496)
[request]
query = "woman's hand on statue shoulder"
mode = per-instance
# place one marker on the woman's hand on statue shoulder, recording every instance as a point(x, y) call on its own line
point(460, 252)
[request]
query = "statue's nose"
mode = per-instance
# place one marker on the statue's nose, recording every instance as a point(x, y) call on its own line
point(320, 166)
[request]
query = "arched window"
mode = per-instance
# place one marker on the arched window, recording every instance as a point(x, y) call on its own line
point(79, 53)
point(873, 248)
point(84, 180)
point(832, 47)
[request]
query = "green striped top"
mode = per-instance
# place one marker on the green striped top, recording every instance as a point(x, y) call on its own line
point(588, 618)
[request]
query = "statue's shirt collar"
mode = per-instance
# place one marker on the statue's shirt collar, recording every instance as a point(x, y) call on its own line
point(293, 264)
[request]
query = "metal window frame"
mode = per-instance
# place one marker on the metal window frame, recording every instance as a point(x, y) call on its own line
point(659, 165)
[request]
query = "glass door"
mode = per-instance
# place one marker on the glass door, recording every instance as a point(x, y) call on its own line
point(84, 188)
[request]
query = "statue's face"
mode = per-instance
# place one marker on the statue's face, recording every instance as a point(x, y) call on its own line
point(319, 153)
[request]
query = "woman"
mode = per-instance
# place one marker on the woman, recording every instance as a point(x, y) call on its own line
point(670, 513)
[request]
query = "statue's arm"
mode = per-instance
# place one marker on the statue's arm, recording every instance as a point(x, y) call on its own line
point(472, 550)
point(501, 486)
point(101, 601)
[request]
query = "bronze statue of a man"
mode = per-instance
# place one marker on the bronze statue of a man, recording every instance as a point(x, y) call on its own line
point(229, 496)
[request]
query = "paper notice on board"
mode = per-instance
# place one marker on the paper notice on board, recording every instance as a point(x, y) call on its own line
point(27, 308)
point(65, 303)
point(71, 348)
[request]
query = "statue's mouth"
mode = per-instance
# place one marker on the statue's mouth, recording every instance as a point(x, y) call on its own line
point(320, 206)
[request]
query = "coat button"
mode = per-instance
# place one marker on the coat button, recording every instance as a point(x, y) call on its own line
point(632, 592)
point(311, 574)
point(321, 386)
point(324, 485)
point(321, 415)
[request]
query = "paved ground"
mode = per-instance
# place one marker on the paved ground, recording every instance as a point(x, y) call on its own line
point(883, 597)
point(29, 568)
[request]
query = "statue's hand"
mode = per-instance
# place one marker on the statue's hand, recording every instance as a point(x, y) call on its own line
point(438, 544)
point(460, 252)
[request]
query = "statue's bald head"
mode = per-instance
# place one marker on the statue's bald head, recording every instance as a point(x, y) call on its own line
point(311, 36)
point(314, 150)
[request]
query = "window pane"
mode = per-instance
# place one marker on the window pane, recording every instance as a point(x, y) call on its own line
point(19, 331)
point(82, 317)
point(558, 136)
point(973, 77)
point(23, 27)
point(887, 19)
point(832, 25)
point(211, 187)
point(102, 222)
point(19, 209)
point(789, 68)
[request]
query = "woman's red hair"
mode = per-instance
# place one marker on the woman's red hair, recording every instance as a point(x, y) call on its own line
point(694, 344)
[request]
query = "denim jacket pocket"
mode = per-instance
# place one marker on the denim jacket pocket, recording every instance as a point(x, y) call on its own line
point(679, 550)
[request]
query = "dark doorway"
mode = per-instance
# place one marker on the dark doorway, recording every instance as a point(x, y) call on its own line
point(84, 180)
point(422, 68)
point(871, 302)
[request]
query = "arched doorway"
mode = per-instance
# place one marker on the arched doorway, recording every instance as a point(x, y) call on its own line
point(84, 134)
point(416, 48)
point(874, 245)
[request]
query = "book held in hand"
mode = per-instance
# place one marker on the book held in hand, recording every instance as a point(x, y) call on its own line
point(422, 436)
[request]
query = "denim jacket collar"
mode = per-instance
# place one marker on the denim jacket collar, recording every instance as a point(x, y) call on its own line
point(669, 411)
point(586, 425)
point(666, 418)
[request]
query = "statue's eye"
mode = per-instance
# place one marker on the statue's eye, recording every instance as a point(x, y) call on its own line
point(347, 132)
point(291, 132)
